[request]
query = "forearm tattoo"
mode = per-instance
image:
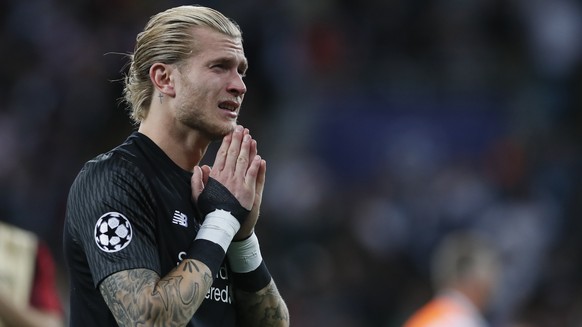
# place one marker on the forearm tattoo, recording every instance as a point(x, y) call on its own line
point(139, 297)
point(263, 308)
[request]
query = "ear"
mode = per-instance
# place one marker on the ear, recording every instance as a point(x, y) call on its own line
point(162, 78)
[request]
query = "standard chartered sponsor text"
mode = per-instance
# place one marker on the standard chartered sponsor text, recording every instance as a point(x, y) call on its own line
point(220, 293)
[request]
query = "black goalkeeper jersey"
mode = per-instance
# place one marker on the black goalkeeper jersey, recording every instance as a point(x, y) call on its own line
point(131, 208)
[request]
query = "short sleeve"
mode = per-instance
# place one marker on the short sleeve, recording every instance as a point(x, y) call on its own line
point(110, 214)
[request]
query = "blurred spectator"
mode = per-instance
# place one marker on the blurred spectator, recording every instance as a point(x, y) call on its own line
point(465, 273)
point(28, 295)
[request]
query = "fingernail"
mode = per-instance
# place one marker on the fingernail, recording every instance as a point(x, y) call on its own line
point(239, 128)
point(246, 138)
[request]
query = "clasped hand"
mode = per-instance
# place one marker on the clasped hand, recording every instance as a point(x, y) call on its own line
point(241, 170)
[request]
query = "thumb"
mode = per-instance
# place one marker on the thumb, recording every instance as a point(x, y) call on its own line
point(197, 182)
point(205, 173)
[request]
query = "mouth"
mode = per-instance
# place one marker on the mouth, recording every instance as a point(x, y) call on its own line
point(229, 109)
point(229, 105)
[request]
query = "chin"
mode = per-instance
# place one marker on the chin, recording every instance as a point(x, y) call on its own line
point(219, 132)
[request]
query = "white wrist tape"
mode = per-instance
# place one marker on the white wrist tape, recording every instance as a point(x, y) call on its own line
point(245, 256)
point(219, 227)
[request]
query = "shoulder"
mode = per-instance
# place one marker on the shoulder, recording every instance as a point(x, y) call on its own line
point(114, 178)
point(123, 163)
point(110, 164)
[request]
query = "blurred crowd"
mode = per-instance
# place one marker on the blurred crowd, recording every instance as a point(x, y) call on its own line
point(386, 125)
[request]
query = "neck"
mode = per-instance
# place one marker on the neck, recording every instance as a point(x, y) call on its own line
point(184, 146)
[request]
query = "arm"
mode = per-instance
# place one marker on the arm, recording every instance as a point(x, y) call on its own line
point(141, 296)
point(44, 308)
point(258, 301)
point(257, 304)
point(263, 308)
point(13, 316)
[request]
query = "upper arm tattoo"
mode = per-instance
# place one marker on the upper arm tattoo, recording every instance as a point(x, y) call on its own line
point(140, 297)
point(263, 308)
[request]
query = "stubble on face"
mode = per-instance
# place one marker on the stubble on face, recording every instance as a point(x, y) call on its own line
point(203, 87)
point(195, 112)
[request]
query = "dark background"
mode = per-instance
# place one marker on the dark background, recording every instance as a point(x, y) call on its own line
point(386, 125)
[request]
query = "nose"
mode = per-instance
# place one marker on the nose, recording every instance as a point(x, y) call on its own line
point(237, 86)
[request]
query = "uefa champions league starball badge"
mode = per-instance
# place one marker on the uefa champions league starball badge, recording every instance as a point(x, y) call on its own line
point(113, 232)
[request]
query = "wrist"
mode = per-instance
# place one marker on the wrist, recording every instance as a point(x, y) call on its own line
point(243, 234)
point(216, 196)
point(245, 255)
point(213, 239)
point(219, 226)
point(250, 272)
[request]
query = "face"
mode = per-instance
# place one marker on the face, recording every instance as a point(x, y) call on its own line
point(209, 85)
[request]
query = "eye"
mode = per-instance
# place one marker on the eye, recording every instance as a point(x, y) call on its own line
point(218, 66)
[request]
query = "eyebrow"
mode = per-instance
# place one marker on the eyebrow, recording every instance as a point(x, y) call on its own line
point(243, 65)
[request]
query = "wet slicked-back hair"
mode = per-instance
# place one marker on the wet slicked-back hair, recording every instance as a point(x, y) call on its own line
point(167, 38)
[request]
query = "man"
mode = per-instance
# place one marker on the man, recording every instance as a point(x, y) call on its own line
point(28, 294)
point(465, 273)
point(151, 238)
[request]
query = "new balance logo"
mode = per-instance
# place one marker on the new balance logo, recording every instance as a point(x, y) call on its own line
point(180, 219)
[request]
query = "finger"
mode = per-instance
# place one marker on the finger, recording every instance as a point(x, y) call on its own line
point(254, 150)
point(205, 173)
point(252, 172)
point(234, 149)
point(242, 162)
point(197, 183)
point(261, 175)
point(247, 132)
point(220, 160)
point(260, 186)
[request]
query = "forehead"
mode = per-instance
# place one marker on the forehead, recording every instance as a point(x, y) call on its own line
point(210, 44)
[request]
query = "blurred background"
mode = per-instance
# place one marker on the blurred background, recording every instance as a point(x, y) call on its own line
point(386, 125)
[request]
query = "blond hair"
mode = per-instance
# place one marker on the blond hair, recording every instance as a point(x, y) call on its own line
point(167, 38)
